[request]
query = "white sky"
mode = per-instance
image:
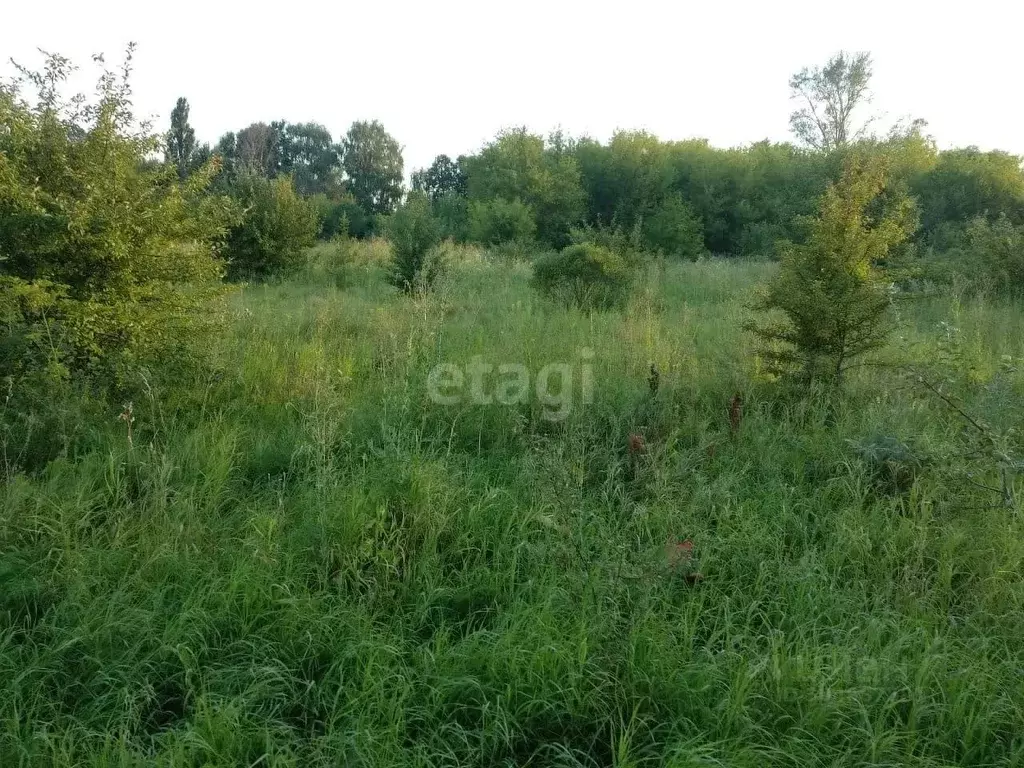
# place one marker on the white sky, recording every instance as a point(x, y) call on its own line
point(445, 76)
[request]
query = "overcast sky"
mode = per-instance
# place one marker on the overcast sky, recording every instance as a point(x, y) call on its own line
point(445, 76)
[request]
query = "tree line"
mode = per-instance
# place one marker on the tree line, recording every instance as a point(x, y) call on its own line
point(678, 198)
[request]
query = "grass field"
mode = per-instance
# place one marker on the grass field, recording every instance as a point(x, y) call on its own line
point(308, 563)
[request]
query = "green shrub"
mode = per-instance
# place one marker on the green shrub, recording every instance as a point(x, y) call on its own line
point(107, 262)
point(452, 211)
point(361, 224)
point(331, 215)
point(277, 226)
point(414, 232)
point(761, 239)
point(675, 230)
point(987, 257)
point(341, 216)
point(628, 245)
point(501, 221)
point(585, 275)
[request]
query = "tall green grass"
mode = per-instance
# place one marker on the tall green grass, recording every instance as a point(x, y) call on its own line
point(306, 562)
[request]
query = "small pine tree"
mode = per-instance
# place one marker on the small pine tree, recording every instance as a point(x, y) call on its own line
point(181, 140)
point(830, 292)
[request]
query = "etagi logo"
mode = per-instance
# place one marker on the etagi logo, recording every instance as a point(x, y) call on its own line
point(484, 383)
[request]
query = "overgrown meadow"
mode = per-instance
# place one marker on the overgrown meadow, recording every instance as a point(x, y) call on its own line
point(643, 453)
point(304, 561)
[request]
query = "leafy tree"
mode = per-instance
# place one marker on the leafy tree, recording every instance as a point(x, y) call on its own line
point(360, 223)
point(674, 230)
point(258, 150)
point(225, 154)
point(999, 249)
point(966, 183)
point(308, 154)
point(452, 211)
point(418, 180)
point(201, 155)
point(414, 232)
point(988, 257)
point(181, 140)
point(562, 203)
point(745, 199)
point(832, 299)
point(629, 179)
point(372, 160)
point(778, 186)
point(226, 145)
point(500, 221)
point(276, 227)
point(712, 182)
point(830, 95)
point(912, 150)
point(106, 264)
point(341, 216)
point(444, 177)
point(516, 166)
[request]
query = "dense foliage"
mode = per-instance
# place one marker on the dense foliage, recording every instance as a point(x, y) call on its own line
point(986, 257)
point(414, 232)
point(585, 275)
point(497, 221)
point(687, 199)
point(105, 259)
point(444, 177)
point(517, 166)
point(276, 227)
point(373, 164)
point(672, 229)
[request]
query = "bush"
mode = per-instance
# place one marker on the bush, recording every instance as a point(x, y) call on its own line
point(341, 216)
point(988, 258)
point(331, 215)
point(761, 239)
point(675, 230)
point(108, 262)
point(276, 227)
point(452, 211)
point(414, 232)
point(361, 224)
point(501, 221)
point(584, 275)
point(629, 246)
